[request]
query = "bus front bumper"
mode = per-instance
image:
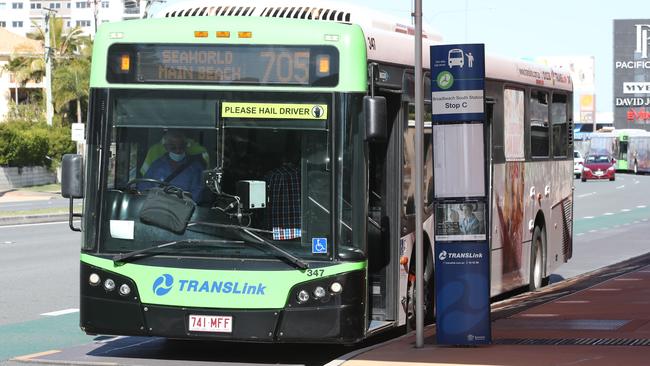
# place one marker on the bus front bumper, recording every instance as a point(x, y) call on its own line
point(341, 320)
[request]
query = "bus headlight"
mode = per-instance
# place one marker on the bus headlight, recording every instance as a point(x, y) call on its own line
point(336, 287)
point(125, 290)
point(109, 285)
point(319, 292)
point(303, 296)
point(94, 279)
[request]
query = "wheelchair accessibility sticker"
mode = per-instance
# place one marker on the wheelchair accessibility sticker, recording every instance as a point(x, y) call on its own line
point(319, 245)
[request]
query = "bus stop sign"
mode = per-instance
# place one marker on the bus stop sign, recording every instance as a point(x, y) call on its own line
point(462, 255)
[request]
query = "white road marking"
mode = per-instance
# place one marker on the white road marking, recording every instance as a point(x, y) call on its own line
point(641, 206)
point(625, 210)
point(637, 182)
point(4, 205)
point(588, 217)
point(61, 312)
point(586, 195)
point(619, 187)
point(580, 234)
point(39, 224)
point(608, 214)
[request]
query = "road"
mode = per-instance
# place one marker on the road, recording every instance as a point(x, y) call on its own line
point(611, 223)
point(56, 202)
point(39, 276)
point(39, 288)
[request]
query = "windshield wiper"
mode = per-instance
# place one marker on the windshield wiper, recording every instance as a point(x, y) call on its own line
point(259, 240)
point(123, 256)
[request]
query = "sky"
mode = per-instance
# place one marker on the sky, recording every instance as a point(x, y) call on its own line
point(528, 29)
point(531, 29)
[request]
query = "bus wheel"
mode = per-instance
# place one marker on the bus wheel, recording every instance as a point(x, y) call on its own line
point(636, 168)
point(427, 300)
point(537, 259)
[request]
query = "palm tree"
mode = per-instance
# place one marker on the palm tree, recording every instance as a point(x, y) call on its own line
point(70, 51)
point(71, 83)
point(66, 43)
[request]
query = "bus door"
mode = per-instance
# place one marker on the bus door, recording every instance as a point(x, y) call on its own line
point(384, 178)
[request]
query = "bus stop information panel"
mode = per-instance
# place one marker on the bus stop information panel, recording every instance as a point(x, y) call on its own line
point(462, 275)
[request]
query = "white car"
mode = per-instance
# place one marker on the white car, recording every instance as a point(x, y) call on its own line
point(578, 163)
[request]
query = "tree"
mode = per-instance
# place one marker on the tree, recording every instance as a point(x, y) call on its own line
point(66, 43)
point(71, 52)
point(71, 83)
point(26, 68)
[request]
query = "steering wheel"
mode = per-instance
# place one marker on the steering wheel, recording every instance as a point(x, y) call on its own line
point(130, 185)
point(146, 180)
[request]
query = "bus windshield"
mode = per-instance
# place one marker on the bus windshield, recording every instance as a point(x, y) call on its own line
point(246, 181)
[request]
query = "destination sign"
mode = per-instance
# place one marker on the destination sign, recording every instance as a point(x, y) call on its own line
point(224, 64)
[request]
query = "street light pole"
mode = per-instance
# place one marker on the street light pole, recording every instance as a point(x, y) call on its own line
point(95, 12)
point(49, 109)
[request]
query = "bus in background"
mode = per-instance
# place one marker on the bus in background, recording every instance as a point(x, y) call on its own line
point(616, 145)
point(302, 225)
point(582, 133)
point(583, 130)
point(624, 160)
point(638, 157)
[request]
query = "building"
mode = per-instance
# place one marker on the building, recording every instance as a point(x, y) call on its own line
point(19, 17)
point(631, 66)
point(15, 45)
point(22, 16)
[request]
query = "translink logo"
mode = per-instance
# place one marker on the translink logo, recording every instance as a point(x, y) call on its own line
point(163, 285)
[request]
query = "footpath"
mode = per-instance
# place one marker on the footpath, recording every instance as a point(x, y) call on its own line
point(601, 318)
point(23, 206)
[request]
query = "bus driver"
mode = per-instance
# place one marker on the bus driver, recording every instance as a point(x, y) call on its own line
point(176, 167)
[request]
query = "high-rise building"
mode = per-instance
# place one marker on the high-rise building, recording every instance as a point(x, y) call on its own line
point(631, 66)
point(19, 17)
point(23, 16)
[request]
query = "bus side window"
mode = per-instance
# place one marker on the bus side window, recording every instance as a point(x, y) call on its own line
point(560, 128)
point(539, 129)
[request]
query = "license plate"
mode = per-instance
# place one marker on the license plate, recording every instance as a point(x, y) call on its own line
point(210, 323)
point(599, 173)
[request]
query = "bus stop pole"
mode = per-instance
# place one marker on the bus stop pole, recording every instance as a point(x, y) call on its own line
point(419, 165)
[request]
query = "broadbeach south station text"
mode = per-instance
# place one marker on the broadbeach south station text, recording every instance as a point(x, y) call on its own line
point(274, 110)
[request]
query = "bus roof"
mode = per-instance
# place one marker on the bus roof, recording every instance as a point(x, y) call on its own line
point(387, 32)
point(631, 132)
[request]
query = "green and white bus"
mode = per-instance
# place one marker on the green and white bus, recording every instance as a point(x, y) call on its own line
point(618, 143)
point(302, 227)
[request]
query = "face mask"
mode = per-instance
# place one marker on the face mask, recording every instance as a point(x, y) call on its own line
point(176, 157)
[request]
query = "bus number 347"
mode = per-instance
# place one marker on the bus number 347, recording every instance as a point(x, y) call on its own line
point(315, 272)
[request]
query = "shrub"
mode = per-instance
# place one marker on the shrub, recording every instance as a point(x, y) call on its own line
point(33, 144)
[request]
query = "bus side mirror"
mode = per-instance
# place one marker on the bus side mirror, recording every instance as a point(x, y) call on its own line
point(72, 176)
point(374, 110)
point(72, 183)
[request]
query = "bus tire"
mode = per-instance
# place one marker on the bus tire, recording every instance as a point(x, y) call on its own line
point(636, 168)
point(536, 279)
